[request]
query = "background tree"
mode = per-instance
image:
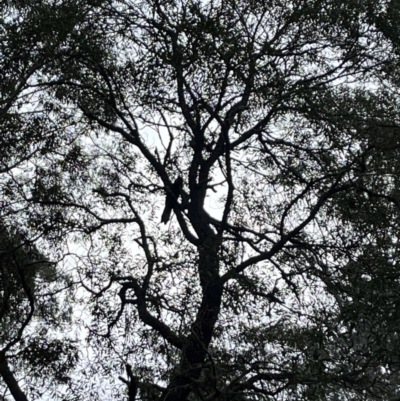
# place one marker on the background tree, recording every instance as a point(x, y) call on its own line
point(31, 318)
point(275, 276)
point(33, 356)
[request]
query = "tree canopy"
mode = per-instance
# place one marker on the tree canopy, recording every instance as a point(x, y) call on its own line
point(219, 180)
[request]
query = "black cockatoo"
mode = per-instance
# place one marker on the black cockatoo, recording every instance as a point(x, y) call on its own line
point(172, 195)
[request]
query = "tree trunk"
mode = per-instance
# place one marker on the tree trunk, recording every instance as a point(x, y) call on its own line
point(195, 348)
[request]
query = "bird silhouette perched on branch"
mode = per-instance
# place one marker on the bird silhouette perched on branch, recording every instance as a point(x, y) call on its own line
point(172, 195)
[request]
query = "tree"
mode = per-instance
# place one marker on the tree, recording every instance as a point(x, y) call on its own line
point(270, 130)
point(29, 284)
point(32, 315)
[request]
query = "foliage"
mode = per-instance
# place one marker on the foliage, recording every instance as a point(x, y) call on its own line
point(271, 129)
point(31, 315)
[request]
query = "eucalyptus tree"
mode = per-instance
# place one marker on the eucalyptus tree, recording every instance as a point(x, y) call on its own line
point(33, 358)
point(31, 316)
point(268, 132)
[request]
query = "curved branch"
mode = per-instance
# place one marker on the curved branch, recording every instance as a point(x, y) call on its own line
point(144, 315)
point(8, 376)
